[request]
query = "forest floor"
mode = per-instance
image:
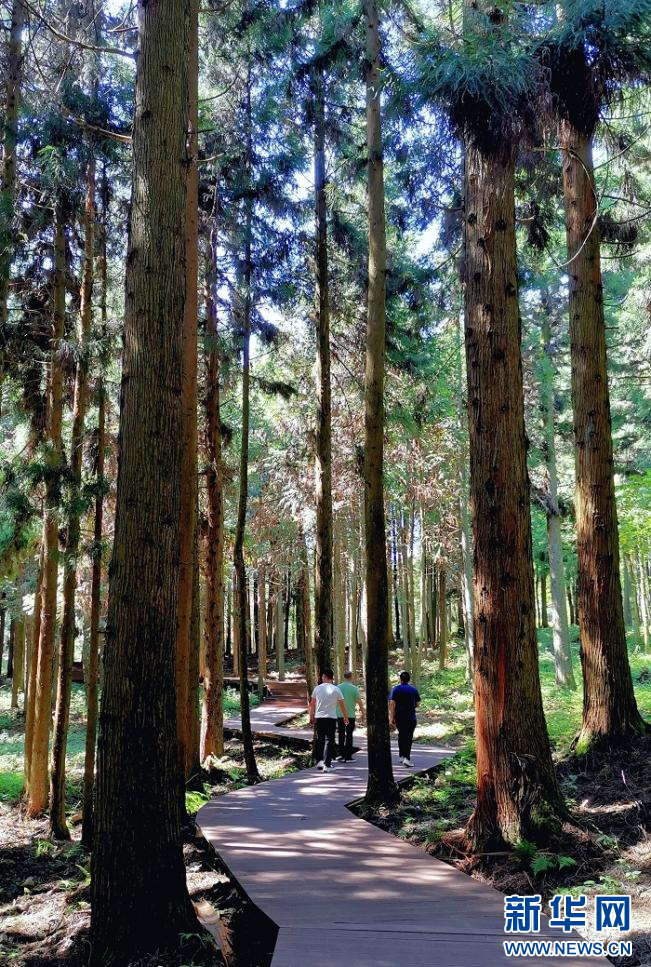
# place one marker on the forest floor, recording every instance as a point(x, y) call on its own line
point(605, 848)
point(45, 885)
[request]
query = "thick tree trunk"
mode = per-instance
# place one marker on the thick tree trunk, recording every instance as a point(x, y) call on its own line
point(323, 603)
point(516, 784)
point(381, 786)
point(68, 632)
point(38, 780)
point(212, 709)
point(92, 671)
point(14, 68)
point(609, 708)
point(139, 896)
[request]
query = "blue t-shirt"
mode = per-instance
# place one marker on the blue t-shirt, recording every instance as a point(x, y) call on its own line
point(405, 698)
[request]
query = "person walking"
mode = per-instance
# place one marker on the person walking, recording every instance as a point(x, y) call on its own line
point(403, 700)
point(352, 698)
point(325, 700)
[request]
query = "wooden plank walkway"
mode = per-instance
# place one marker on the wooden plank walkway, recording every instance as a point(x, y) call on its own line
point(342, 890)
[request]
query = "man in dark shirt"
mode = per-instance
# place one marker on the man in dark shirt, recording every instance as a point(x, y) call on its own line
point(402, 715)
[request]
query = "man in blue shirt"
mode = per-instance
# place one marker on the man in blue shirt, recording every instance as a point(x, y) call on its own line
point(402, 715)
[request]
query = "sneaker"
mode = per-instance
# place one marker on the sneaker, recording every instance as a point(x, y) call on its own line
point(408, 763)
point(348, 760)
point(402, 759)
point(340, 758)
point(321, 765)
point(329, 768)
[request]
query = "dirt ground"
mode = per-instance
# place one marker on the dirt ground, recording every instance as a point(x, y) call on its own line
point(45, 886)
point(604, 848)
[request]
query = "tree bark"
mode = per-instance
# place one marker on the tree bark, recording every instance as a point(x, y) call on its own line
point(30, 702)
point(38, 780)
point(68, 632)
point(516, 784)
point(560, 630)
point(323, 603)
point(14, 67)
point(381, 787)
point(17, 678)
point(240, 589)
point(212, 709)
point(443, 618)
point(262, 647)
point(92, 671)
point(139, 896)
point(610, 711)
point(188, 482)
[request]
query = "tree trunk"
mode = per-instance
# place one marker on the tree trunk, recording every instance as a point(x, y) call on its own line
point(381, 787)
point(323, 603)
point(212, 708)
point(38, 780)
point(544, 621)
point(396, 582)
point(516, 784)
point(188, 482)
point(626, 593)
point(3, 616)
point(193, 761)
point(30, 701)
point(279, 636)
point(92, 671)
point(262, 647)
point(14, 68)
point(10, 653)
point(68, 632)
point(560, 630)
point(244, 307)
point(643, 598)
point(443, 618)
point(609, 708)
point(139, 896)
point(17, 678)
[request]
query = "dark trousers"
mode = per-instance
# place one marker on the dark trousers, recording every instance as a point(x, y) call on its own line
point(325, 740)
point(405, 737)
point(345, 737)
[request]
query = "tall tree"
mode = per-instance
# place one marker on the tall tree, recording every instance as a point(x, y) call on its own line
point(140, 901)
point(243, 313)
point(185, 689)
point(40, 735)
point(609, 707)
point(9, 158)
point(73, 535)
point(92, 671)
point(323, 599)
point(516, 783)
point(560, 630)
point(381, 786)
point(212, 714)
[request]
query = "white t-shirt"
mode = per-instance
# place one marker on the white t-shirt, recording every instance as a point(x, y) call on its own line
point(326, 696)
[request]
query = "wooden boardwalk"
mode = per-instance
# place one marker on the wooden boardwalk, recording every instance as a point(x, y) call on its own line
point(343, 891)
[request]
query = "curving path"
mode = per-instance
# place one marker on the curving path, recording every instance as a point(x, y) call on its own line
point(343, 892)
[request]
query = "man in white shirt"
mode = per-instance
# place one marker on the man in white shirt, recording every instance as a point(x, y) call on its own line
point(323, 711)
